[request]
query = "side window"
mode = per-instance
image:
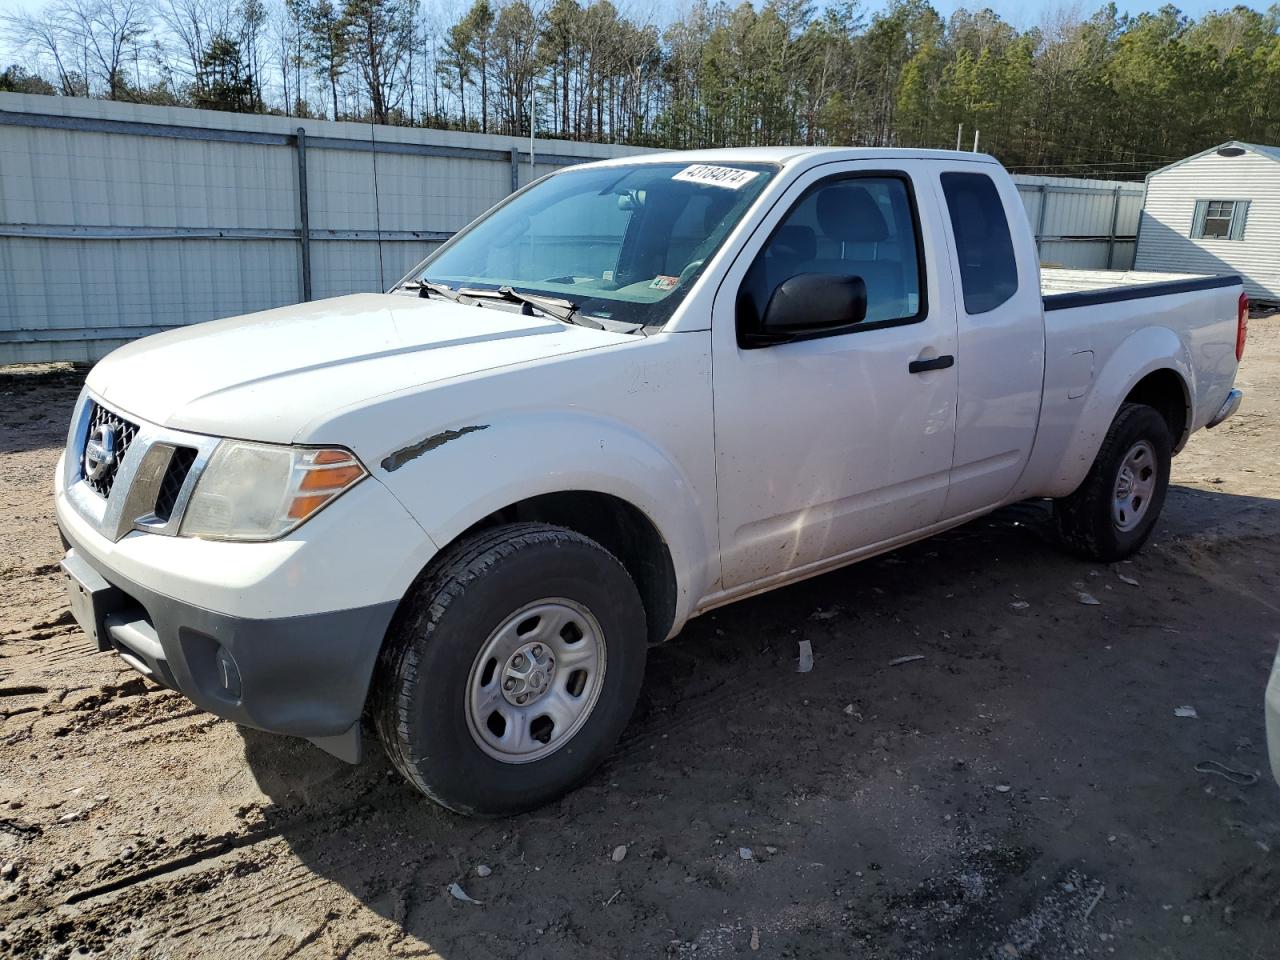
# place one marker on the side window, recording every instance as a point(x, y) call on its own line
point(850, 227)
point(988, 268)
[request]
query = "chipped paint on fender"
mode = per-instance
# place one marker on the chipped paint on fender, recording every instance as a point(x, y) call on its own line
point(394, 461)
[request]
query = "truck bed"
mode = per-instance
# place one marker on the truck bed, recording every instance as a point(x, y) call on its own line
point(1063, 289)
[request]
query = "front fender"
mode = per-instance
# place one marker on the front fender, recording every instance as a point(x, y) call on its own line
point(1142, 352)
point(451, 479)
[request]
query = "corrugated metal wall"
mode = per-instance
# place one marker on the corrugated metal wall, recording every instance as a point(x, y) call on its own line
point(1165, 242)
point(1082, 224)
point(118, 220)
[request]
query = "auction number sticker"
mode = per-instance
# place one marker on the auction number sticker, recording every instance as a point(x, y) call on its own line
point(714, 176)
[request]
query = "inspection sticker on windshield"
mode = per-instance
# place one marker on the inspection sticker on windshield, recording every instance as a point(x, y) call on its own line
point(715, 176)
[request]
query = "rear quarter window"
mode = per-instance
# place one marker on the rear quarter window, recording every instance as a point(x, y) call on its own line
point(984, 247)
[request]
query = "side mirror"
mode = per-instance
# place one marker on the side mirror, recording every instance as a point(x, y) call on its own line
point(813, 303)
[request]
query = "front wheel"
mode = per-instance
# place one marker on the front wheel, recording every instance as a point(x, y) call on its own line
point(511, 670)
point(1115, 509)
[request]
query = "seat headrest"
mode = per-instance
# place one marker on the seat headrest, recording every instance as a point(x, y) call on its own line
point(795, 241)
point(850, 214)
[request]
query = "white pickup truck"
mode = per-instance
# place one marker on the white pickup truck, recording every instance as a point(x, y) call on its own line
point(632, 392)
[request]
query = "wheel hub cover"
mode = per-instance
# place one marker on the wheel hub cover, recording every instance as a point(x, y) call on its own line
point(528, 674)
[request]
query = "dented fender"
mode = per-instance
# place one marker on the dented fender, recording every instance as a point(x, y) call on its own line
point(453, 478)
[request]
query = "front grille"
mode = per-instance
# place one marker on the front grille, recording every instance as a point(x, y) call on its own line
point(104, 423)
point(174, 477)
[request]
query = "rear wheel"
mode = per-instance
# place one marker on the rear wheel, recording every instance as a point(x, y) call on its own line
point(512, 669)
point(1115, 509)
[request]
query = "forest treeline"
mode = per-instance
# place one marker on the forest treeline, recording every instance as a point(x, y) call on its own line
point(1105, 94)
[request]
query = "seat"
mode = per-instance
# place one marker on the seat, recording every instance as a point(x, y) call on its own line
point(850, 217)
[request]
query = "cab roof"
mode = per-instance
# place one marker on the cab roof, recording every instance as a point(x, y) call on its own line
point(786, 156)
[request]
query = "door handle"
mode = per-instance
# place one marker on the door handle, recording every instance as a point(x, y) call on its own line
point(937, 363)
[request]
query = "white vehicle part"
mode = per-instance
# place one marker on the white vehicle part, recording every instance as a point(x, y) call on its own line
point(565, 424)
point(829, 444)
point(1190, 334)
point(1000, 365)
point(265, 376)
point(381, 551)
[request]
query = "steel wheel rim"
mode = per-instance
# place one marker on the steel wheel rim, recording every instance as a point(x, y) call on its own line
point(1134, 487)
point(535, 680)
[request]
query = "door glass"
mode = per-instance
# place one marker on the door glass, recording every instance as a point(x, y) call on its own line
point(854, 227)
point(988, 269)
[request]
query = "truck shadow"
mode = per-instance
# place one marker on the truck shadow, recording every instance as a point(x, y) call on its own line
point(863, 789)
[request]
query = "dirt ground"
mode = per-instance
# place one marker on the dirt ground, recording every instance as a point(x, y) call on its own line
point(1024, 790)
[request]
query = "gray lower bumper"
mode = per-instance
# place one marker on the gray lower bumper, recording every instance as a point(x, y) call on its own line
point(305, 676)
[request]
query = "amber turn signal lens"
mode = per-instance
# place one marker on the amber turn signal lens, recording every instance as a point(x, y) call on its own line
point(325, 474)
point(326, 457)
point(331, 478)
point(303, 507)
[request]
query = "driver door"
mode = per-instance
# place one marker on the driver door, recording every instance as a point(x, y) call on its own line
point(842, 440)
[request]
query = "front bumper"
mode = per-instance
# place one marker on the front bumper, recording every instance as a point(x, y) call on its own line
point(303, 675)
point(1273, 717)
point(282, 636)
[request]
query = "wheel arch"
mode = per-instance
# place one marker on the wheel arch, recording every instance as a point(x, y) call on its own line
point(1166, 392)
point(620, 527)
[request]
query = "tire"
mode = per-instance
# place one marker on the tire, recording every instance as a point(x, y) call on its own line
point(1097, 521)
point(444, 700)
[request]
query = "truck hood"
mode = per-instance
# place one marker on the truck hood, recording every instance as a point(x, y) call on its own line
point(266, 376)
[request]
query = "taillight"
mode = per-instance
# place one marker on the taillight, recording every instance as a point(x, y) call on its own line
point(1242, 325)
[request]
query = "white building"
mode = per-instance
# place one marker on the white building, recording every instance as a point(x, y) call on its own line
point(1216, 212)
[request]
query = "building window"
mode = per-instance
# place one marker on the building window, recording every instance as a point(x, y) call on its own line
point(1219, 220)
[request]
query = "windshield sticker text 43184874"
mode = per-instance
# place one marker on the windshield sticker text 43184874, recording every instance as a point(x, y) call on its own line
point(714, 176)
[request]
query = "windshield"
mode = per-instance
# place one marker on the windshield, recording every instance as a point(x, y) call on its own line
point(618, 243)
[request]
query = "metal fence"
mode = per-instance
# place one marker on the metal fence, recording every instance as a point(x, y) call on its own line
point(120, 220)
point(1082, 224)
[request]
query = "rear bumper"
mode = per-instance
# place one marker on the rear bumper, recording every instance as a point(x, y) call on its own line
point(307, 675)
point(1273, 717)
point(1228, 408)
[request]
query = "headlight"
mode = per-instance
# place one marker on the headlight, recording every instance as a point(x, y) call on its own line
point(260, 491)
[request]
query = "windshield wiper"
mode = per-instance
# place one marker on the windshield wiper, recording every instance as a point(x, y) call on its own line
point(424, 287)
point(563, 310)
point(439, 289)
